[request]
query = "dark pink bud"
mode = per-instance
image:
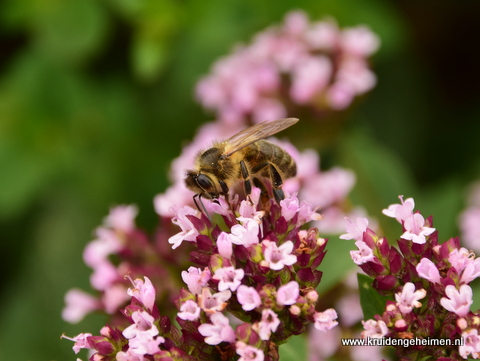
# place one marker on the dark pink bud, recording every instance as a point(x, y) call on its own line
point(395, 260)
point(204, 242)
point(281, 226)
point(385, 283)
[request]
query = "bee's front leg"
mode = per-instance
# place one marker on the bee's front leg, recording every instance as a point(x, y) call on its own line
point(247, 184)
point(277, 183)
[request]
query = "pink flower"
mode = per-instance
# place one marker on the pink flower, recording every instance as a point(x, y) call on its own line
point(427, 269)
point(145, 344)
point(104, 275)
point(196, 279)
point(268, 324)
point(359, 41)
point(400, 211)
point(415, 229)
point(310, 76)
point(363, 255)
point(128, 355)
point(355, 230)
point(114, 297)
point(189, 232)
point(78, 304)
point(143, 291)
point(246, 234)
point(460, 258)
point(229, 277)
point(408, 298)
point(189, 310)
point(471, 344)
point(81, 341)
point(325, 320)
point(122, 218)
point(471, 271)
point(218, 331)
point(470, 227)
point(456, 301)
point(278, 257)
point(97, 251)
point(248, 297)
point(288, 294)
point(248, 353)
point(374, 329)
point(143, 323)
point(225, 248)
point(213, 303)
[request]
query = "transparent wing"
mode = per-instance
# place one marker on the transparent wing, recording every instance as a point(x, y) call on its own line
point(256, 132)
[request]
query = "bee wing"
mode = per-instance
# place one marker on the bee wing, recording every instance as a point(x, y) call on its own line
point(254, 133)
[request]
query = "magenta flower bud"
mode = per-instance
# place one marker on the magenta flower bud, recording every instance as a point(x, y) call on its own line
point(385, 283)
point(245, 333)
point(395, 260)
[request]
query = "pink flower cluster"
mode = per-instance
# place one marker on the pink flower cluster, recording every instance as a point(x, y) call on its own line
point(296, 64)
point(252, 287)
point(429, 281)
point(255, 265)
point(120, 249)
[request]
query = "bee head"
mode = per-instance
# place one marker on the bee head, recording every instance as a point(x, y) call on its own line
point(201, 184)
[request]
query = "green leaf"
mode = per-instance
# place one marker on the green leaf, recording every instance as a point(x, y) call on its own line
point(294, 350)
point(372, 303)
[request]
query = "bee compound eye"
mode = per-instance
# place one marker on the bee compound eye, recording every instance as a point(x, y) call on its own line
point(205, 182)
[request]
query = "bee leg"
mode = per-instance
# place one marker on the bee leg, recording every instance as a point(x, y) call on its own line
point(202, 209)
point(247, 185)
point(277, 183)
point(225, 192)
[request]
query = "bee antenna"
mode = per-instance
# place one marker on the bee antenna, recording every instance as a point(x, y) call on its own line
point(201, 209)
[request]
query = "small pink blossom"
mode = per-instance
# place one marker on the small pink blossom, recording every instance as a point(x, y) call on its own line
point(310, 76)
point(196, 279)
point(229, 277)
point(104, 275)
point(355, 230)
point(427, 269)
point(359, 41)
point(114, 297)
point(143, 323)
point(248, 353)
point(268, 324)
point(246, 234)
point(77, 304)
point(128, 355)
point(415, 229)
point(218, 331)
point(122, 218)
point(288, 293)
point(460, 258)
point(97, 251)
point(81, 341)
point(189, 232)
point(189, 310)
point(470, 227)
point(143, 291)
point(400, 211)
point(457, 301)
point(145, 344)
point(408, 298)
point(471, 344)
point(471, 271)
point(248, 297)
point(374, 329)
point(325, 320)
point(224, 245)
point(363, 255)
point(213, 303)
point(278, 257)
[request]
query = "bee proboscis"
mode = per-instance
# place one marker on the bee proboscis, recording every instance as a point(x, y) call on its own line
point(245, 156)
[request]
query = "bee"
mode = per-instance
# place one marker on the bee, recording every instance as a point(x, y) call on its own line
point(243, 157)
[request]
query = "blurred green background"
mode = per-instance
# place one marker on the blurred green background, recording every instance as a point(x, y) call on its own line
point(96, 98)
